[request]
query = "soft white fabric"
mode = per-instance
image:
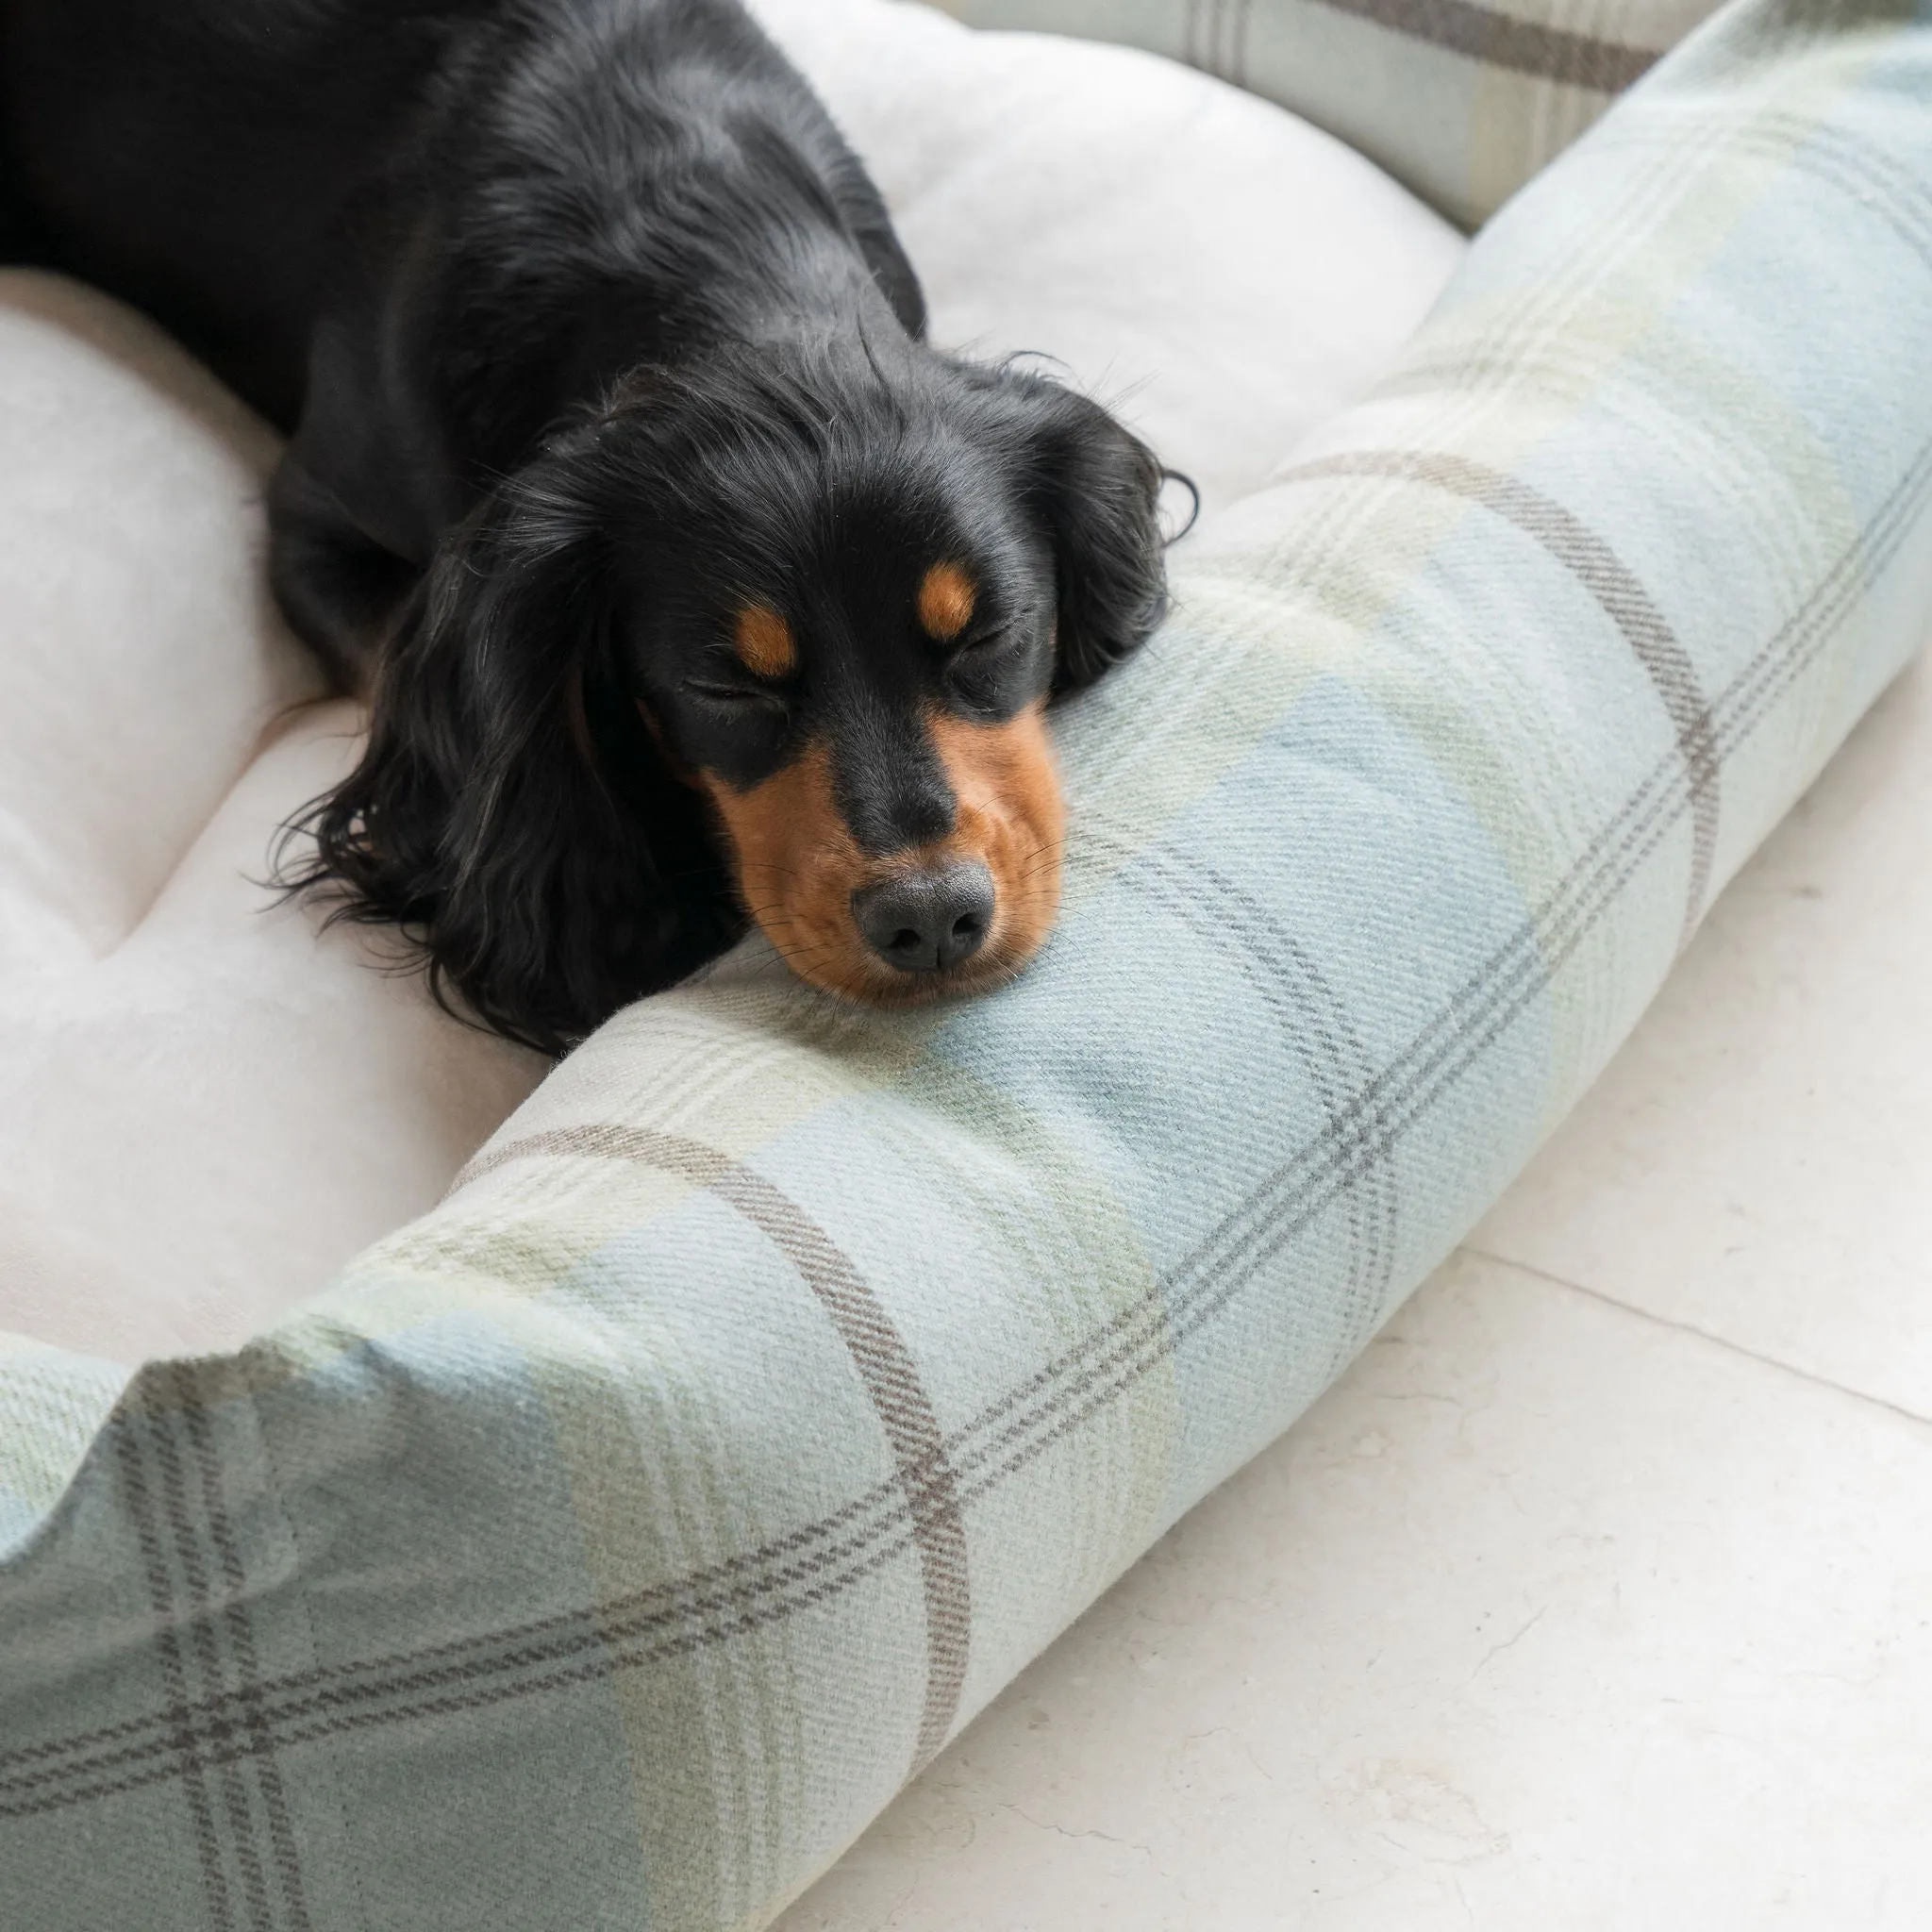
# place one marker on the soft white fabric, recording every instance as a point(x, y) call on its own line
point(1222, 272)
point(204, 1106)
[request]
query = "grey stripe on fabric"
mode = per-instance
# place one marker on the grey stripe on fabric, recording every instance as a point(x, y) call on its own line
point(1214, 38)
point(241, 1636)
point(1615, 587)
point(1496, 40)
point(1314, 1022)
point(1881, 185)
point(201, 1629)
point(885, 1364)
point(186, 1755)
point(1876, 183)
point(810, 1566)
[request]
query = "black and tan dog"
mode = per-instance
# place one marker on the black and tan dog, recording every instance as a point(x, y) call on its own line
point(686, 580)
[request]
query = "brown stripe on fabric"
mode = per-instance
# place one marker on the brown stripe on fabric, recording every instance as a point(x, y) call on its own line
point(1214, 37)
point(1496, 40)
point(242, 1645)
point(1874, 183)
point(189, 1762)
point(798, 1555)
point(201, 1630)
point(1615, 587)
point(1316, 1025)
point(878, 1352)
point(600, 1663)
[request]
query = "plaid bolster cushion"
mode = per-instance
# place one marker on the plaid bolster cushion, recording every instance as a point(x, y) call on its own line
point(606, 1548)
point(1464, 100)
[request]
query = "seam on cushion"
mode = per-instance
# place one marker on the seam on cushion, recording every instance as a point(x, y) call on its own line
point(280, 723)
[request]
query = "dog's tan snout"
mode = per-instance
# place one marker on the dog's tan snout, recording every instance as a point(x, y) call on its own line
point(956, 915)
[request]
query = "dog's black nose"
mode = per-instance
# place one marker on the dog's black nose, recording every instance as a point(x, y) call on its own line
point(927, 922)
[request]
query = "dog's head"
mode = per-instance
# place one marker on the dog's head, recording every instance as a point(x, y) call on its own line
point(773, 631)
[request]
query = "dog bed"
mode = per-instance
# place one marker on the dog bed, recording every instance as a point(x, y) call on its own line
point(205, 1111)
point(605, 1547)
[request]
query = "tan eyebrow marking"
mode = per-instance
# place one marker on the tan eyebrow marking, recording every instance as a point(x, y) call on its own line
point(945, 602)
point(765, 643)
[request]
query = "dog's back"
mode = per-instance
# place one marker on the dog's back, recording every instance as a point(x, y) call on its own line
point(194, 156)
point(238, 167)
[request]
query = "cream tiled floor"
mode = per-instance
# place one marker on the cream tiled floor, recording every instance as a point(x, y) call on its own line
point(1597, 1597)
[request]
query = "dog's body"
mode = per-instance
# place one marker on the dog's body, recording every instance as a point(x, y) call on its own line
point(687, 579)
point(400, 232)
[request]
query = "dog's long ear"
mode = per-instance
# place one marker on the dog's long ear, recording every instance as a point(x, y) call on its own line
point(1095, 487)
point(510, 810)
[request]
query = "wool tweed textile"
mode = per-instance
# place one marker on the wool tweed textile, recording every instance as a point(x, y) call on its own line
point(605, 1549)
point(1464, 100)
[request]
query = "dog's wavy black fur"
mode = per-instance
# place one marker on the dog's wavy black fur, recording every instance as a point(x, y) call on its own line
point(588, 331)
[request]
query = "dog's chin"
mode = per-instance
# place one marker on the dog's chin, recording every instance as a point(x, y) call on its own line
point(890, 990)
point(854, 975)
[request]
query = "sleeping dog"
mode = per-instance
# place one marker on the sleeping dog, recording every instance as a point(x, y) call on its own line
point(687, 582)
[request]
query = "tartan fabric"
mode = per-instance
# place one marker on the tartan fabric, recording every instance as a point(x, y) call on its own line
point(606, 1548)
point(1461, 100)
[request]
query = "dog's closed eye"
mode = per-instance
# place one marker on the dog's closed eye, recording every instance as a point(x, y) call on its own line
point(735, 697)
